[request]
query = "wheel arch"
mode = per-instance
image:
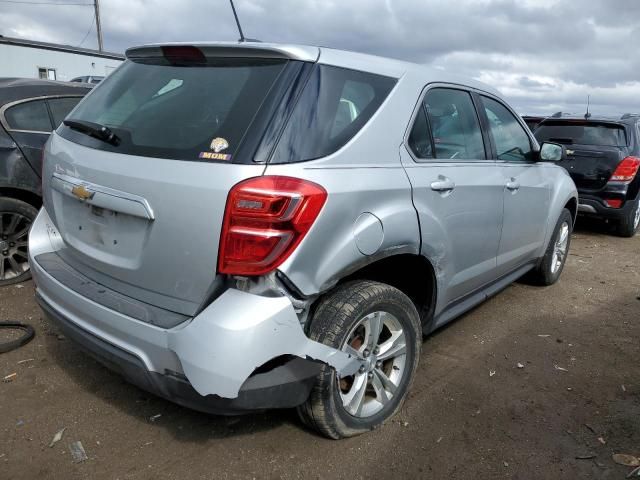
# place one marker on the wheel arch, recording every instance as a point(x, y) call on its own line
point(24, 195)
point(412, 274)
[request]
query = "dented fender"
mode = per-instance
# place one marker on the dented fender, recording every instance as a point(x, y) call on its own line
point(241, 331)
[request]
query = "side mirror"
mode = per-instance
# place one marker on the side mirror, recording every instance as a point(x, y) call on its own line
point(552, 152)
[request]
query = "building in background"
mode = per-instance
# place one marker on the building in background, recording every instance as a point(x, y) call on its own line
point(30, 59)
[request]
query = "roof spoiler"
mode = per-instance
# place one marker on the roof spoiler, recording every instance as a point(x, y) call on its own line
point(232, 50)
point(629, 115)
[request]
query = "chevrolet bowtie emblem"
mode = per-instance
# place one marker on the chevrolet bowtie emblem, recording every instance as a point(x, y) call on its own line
point(82, 193)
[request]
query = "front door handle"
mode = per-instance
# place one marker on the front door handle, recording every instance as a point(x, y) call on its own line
point(443, 184)
point(513, 185)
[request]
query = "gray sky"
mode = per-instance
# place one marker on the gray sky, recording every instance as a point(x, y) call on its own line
point(543, 55)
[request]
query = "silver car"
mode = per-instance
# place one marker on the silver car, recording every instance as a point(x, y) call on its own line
point(245, 226)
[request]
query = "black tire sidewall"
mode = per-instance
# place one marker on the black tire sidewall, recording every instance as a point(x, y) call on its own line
point(626, 226)
point(12, 205)
point(393, 303)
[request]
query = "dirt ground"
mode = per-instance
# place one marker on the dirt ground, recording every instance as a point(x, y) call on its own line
point(577, 395)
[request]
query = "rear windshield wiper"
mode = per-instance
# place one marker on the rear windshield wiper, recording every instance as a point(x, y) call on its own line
point(94, 130)
point(563, 140)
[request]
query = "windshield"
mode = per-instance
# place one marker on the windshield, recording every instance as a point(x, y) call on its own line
point(179, 112)
point(601, 134)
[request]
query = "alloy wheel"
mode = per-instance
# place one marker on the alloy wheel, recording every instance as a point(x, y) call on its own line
point(636, 220)
point(14, 232)
point(379, 340)
point(560, 248)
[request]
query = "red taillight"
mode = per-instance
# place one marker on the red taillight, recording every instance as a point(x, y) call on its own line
point(613, 203)
point(264, 221)
point(626, 170)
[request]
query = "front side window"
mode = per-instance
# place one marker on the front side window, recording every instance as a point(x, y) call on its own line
point(335, 105)
point(32, 116)
point(511, 140)
point(454, 125)
point(195, 112)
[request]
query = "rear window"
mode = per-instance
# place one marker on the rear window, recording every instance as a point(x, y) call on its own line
point(335, 105)
point(186, 112)
point(602, 134)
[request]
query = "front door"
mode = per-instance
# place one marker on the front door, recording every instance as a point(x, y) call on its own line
point(527, 189)
point(457, 191)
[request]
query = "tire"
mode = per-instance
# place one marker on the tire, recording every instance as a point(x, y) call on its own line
point(14, 267)
point(549, 270)
point(28, 335)
point(630, 225)
point(356, 305)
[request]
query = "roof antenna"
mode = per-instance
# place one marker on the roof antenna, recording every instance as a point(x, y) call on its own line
point(242, 38)
point(233, 7)
point(587, 115)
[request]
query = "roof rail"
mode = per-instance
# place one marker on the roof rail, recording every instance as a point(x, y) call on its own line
point(629, 115)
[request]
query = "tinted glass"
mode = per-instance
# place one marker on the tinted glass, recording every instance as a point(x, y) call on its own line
point(60, 108)
point(454, 124)
point(335, 105)
point(419, 139)
point(177, 111)
point(29, 116)
point(582, 134)
point(510, 138)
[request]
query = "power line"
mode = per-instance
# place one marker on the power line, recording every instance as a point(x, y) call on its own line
point(93, 19)
point(48, 3)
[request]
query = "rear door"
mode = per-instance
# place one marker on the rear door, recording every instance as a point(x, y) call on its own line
point(143, 214)
point(526, 187)
point(457, 190)
point(594, 149)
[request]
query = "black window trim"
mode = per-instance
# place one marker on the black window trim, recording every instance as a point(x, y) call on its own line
point(45, 98)
point(535, 148)
point(433, 160)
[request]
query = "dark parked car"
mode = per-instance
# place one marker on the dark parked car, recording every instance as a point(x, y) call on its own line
point(532, 122)
point(29, 110)
point(603, 158)
point(91, 79)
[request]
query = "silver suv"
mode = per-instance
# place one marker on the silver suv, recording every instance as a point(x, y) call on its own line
point(246, 226)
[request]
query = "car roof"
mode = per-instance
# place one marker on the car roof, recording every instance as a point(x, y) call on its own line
point(328, 56)
point(13, 89)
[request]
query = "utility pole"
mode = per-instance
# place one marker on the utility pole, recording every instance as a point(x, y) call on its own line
point(98, 26)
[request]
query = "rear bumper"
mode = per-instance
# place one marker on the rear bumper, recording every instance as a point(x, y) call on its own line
point(287, 385)
point(594, 206)
point(213, 362)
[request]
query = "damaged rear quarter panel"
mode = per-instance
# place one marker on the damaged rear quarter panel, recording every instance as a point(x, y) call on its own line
point(15, 172)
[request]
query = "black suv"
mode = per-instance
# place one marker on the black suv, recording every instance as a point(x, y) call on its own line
point(29, 110)
point(603, 158)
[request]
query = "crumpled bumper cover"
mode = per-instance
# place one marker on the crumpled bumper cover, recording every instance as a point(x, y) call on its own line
point(217, 350)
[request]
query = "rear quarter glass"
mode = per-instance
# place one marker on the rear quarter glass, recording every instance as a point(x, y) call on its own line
point(335, 105)
point(182, 112)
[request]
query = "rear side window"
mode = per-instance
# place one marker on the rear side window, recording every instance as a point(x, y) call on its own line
point(60, 108)
point(189, 112)
point(419, 139)
point(335, 105)
point(29, 116)
point(582, 133)
point(454, 125)
point(510, 138)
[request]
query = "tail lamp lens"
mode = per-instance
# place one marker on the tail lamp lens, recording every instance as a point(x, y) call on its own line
point(626, 170)
point(265, 220)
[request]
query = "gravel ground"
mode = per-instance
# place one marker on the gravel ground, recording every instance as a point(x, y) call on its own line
point(576, 395)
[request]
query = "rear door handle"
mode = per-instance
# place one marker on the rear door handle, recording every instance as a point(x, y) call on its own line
point(513, 185)
point(443, 185)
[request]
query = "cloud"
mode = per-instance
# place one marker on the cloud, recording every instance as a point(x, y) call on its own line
point(544, 55)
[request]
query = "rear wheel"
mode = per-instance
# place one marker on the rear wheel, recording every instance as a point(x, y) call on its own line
point(380, 325)
point(631, 223)
point(16, 218)
point(550, 267)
